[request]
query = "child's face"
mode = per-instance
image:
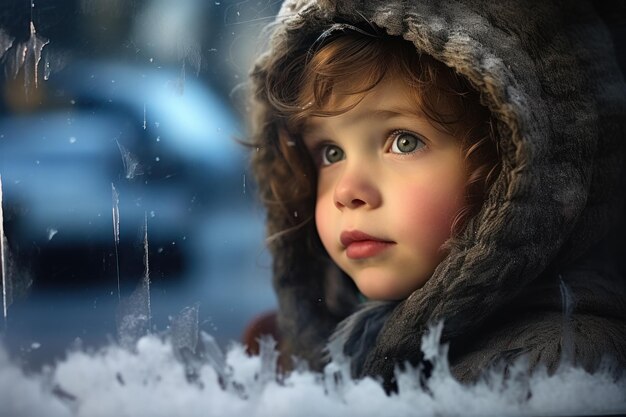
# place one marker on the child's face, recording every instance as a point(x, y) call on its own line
point(389, 187)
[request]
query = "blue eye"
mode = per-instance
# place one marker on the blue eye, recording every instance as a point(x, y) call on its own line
point(331, 154)
point(406, 142)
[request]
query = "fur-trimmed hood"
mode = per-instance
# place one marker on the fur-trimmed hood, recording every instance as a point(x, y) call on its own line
point(551, 227)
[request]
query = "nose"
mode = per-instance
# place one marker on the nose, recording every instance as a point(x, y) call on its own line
point(356, 188)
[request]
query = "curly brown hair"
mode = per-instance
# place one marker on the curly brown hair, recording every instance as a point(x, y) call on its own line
point(348, 61)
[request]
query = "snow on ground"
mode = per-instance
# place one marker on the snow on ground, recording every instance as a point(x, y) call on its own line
point(163, 377)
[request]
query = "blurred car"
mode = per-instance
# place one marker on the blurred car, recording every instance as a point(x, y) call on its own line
point(114, 146)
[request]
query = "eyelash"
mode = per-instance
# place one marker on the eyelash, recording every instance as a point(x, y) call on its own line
point(395, 135)
point(389, 143)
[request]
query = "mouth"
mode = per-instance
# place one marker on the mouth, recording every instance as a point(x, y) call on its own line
point(360, 245)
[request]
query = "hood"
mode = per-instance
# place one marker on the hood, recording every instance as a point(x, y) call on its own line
point(545, 69)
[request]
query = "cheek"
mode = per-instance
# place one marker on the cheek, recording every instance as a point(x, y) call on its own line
point(427, 214)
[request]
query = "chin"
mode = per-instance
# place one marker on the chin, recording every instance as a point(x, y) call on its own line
point(375, 293)
point(376, 289)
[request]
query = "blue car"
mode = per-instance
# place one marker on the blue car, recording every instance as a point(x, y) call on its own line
point(121, 175)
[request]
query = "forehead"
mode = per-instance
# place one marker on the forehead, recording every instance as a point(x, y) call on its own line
point(392, 97)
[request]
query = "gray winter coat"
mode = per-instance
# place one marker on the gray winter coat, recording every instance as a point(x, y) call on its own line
point(539, 272)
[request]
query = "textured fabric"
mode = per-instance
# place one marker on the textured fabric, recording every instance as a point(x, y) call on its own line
point(551, 228)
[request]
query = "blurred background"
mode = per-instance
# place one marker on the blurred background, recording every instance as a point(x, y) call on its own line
point(119, 163)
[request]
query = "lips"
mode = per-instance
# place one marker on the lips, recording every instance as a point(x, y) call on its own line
point(360, 245)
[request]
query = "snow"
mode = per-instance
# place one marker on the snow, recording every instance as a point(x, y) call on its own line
point(6, 282)
point(159, 376)
point(25, 56)
point(26, 396)
point(132, 167)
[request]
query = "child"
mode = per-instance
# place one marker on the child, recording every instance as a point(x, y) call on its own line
point(453, 160)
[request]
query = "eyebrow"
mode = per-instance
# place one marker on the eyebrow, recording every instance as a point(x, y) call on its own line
point(384, 114)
